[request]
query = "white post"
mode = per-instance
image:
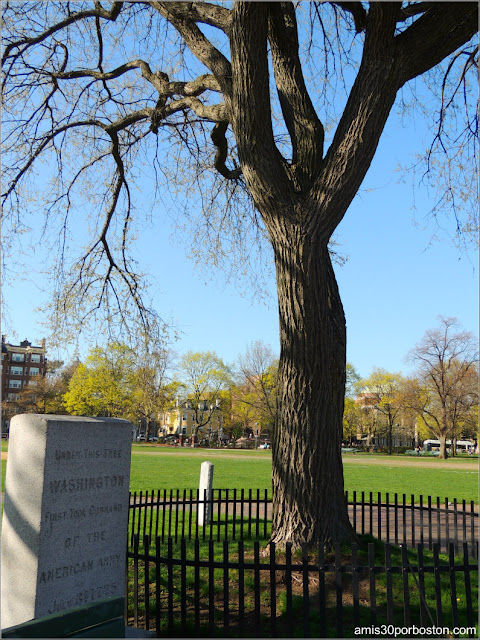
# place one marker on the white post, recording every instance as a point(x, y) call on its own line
point(205, 493)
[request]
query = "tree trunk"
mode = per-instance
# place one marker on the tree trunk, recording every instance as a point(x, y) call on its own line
point(390, 438)
point(443, 446)
point(309, 503)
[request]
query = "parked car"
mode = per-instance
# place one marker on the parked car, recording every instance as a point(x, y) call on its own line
point(141, 438)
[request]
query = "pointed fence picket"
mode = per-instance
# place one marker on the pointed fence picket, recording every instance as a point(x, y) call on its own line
point(223, 588)
point(247, 515)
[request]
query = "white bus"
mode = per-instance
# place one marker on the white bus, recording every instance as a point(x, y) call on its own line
point(462, 445)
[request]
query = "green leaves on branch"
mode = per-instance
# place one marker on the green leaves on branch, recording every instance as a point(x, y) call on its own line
point(120, 381)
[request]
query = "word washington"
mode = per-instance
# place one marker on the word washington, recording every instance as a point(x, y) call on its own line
point(75, 485)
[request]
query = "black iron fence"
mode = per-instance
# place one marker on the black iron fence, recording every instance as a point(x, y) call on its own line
point(192, 588)
point(246, 514)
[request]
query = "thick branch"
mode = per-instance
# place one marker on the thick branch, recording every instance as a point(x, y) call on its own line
point(198, 44)
point(213, 15)
point(414, 9)
point(445, 27)
point(305, 129)
point(363, 119)
point(357, 12)
point(220, 142)
point(159, 80)
point(387, 63)
point(214, 113)
point(263, 167)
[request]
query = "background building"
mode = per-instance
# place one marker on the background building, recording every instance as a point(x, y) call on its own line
point(23, 365)
point(186, 419)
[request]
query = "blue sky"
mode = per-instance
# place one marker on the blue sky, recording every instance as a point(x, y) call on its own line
point(394, 285)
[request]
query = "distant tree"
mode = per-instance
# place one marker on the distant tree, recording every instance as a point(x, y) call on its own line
point(244, 413)
point(369, 418)
point(463, 406)
point(237, 431)
point(469, 424)
point(352, 380)
point(255, 394)
point(352, 420)
point(446, 360)
point(204, 376)
point(103, 385)
point(152, 389)
point(46, 393)
point(384, 391)
point(242, 101)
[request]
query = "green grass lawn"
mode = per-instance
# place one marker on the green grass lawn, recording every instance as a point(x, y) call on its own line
point(180, 469)
point(444, 483)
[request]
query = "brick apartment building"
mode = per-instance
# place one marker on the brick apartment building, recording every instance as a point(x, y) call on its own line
point(22, 366)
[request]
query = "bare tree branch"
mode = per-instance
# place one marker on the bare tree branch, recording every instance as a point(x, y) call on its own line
point(434, 36)
point(24, 43)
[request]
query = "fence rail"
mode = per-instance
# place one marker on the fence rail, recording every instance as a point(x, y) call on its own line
point(247, 515)
point(207, 588)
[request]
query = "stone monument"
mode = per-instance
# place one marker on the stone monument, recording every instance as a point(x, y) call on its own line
point(205, 493)
point(64, 530)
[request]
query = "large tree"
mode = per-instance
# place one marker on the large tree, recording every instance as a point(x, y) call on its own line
point(91, 87)
point(446, 360)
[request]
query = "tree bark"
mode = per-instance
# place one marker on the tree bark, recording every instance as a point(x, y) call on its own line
point(444, 431)
point(443, 446)
point(307, 478)
point(302, 200)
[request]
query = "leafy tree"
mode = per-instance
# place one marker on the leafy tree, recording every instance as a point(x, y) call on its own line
point(103, 386)
point(244, 413)
point(120, 381)
point(369, 417)
point(204, 376)
point(352, 420)
point(96, 90)
point(446, 360)
point(384, 389)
